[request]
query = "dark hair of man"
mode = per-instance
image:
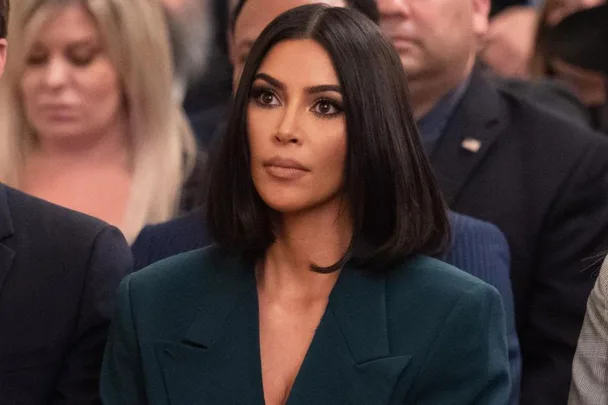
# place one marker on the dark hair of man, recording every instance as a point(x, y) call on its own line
point(369, 8)
point(395, 204)
point(4, 8)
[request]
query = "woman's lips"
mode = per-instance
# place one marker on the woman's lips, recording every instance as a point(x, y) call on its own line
point(284, 168)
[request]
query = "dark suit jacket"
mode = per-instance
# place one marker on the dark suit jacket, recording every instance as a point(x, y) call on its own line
point(186, 332)
point(478, 248)
point(59, 271)
point(208, 124)
point(157, 242)
point(549, 94)
point(544, 182)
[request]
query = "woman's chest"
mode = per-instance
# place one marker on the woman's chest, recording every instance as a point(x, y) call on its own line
point(100, 193)
point(285, 338)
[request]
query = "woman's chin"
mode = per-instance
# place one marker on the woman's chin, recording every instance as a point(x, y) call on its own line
point(286, 206)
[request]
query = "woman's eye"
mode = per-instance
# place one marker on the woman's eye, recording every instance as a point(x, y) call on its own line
point(35, 60)
point(326, 107)
point(83, 56)
point(265, 98)
point(81, 60)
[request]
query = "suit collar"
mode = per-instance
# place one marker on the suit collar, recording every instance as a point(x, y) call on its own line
point(6, 224)
point(217, 360)
point(349, 357)
point(432, 125)
point(364, 326)
point(6, 231)
point(476, 123)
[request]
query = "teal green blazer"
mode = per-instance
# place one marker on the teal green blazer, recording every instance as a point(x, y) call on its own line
point(186, 333)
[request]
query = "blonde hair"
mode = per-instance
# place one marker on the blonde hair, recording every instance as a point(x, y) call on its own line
point(163, 148)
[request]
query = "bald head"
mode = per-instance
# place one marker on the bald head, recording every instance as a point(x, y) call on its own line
point(437, 41)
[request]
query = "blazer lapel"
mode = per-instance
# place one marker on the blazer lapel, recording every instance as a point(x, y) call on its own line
point(6, 231)
point(349, 360)
point(217, 361)
point(469, 136)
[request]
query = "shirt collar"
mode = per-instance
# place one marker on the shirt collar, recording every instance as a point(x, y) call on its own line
point(432, 125)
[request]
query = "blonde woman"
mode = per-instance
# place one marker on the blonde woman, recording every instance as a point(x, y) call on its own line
point(87, 117)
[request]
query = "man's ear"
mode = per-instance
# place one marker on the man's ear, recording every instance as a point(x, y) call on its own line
point(3, 49)
point(481, 12)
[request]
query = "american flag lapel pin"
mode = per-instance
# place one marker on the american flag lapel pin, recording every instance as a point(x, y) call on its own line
point(471, 144)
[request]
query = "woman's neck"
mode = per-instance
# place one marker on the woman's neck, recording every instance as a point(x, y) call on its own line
point(108, 147)
point(320, 237)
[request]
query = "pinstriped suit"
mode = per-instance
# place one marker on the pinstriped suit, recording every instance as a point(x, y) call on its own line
point(590, 366)
point(481, 249)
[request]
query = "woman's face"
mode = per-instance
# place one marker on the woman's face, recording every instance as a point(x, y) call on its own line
point(69, 86)
point(297, 128)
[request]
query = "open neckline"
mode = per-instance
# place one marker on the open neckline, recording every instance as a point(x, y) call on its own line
point(306, 358)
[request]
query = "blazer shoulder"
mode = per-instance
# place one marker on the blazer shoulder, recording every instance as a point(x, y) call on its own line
point(179, 235)
point(527, 120)
point(465, 225)
point(548, 94)
point(34, 218)
point(480, 248)
point(180, 284)
point(176, 228)
point(432, 279)
point(177, 274)
point(536, 121)
point(448, 320)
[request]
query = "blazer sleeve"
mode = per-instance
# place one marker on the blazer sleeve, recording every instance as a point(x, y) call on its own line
point(467, 363)
point(122, 380)
point(590, 366)
point(481, 249)
point(110, 260)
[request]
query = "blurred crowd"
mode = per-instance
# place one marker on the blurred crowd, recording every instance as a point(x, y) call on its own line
point(117, 108)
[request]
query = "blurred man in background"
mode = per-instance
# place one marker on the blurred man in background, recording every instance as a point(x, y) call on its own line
point(200, 53)
point(191, 26)
point(499, 157)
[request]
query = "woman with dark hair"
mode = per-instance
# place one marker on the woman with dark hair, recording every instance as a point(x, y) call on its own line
point(319, 289)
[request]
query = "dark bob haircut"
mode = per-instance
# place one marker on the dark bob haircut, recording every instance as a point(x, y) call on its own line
point(4, 9)
point(369, 8)
point(396, 207)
